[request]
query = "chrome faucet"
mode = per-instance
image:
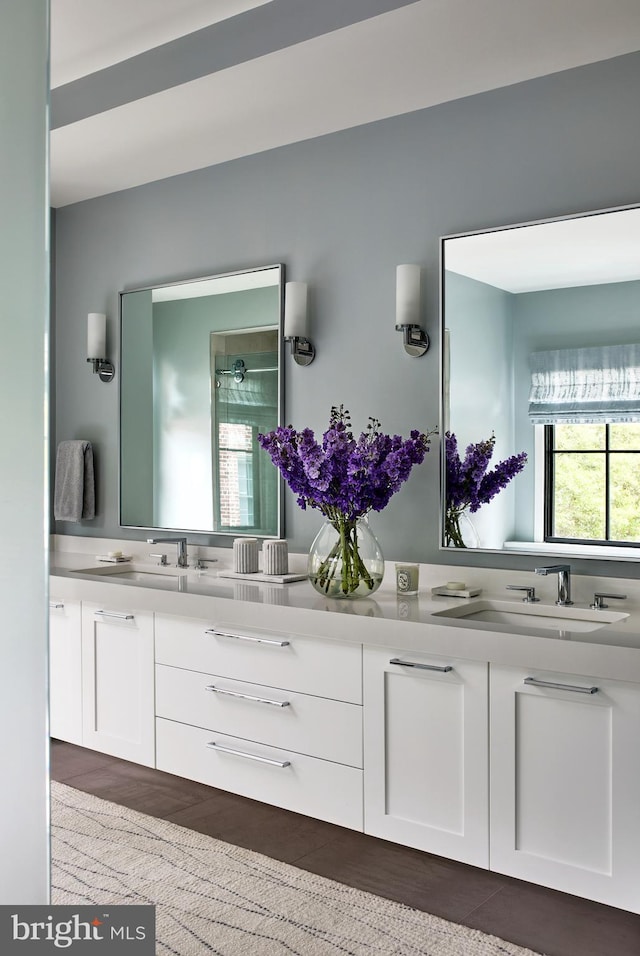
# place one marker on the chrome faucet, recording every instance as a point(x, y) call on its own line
point(564, 581)
point(182, 548)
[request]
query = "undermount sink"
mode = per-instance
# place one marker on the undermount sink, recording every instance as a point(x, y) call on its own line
point(164, 577)
point(145, 575)
point(533, 615)
point(168, 578)
point(129, 573)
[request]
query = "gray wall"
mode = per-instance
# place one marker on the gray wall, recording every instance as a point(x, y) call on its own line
point(136, 427)
point(341, 212)
point(23, 565)
point(480, 328)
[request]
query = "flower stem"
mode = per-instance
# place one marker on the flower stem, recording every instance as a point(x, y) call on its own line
point(344, 558)
point(452, 531)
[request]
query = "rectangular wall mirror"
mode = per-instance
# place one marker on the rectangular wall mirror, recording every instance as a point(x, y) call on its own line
point(200, 379)
point(540, 332)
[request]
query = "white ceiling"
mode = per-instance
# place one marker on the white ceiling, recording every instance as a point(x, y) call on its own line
point(424, 53)
point(551, 255)
point(89, 35)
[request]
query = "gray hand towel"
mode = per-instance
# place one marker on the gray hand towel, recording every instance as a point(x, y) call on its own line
point(74, 491)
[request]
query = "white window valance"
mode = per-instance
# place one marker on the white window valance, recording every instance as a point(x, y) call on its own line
point(586, 385)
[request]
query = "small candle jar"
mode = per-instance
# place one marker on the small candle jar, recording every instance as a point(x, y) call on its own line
point(407, 578)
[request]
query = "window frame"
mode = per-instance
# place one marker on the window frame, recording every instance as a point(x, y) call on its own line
point(550, 452)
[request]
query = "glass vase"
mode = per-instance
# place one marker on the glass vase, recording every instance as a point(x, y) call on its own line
point(459, 530)
point(345, 559)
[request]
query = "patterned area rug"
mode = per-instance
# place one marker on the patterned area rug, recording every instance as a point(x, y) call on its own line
point(212, 897)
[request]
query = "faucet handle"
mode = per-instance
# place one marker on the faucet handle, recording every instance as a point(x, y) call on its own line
point(162, 558)
point(598, 602)
point(200, 564)
point(530, 597)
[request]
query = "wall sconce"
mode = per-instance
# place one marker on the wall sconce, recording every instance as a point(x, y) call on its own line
point(97, 346)
point(416, 341)
point(296, 323)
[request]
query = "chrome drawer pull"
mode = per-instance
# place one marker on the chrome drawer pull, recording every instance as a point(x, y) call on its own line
point(534, 682)
point(241, 753)
point(245, 637)
point(258, 700)
point(54, 606)
point(120, 615)
point(424, 667)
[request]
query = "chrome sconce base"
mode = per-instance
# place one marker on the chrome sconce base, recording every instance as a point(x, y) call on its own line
point(302, 351)
point(415, 340)
point(103, 368)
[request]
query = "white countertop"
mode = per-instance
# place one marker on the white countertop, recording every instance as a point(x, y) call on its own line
point(400, 622)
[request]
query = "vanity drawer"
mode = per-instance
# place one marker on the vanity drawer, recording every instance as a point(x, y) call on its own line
point(295, 782)
point(277, 659)
point(329, 729)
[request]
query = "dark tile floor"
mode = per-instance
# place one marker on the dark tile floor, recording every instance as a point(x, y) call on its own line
point(546, 921)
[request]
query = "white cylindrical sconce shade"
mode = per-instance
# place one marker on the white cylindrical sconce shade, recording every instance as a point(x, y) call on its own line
point(96, 335)
point(408, 295)
point(295, 310)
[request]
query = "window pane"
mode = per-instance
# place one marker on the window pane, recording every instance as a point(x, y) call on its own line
point(578, 437)
point(232, 435)
point(579, 496)
point(625, 495)
point(625, 436)
point(235, 475)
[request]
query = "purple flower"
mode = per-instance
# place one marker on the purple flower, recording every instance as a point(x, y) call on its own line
point(469, 484)
point(344, 475)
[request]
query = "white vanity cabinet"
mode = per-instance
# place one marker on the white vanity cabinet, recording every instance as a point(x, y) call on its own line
point(269, 715)
point(565, 783)
point(426, 753)
point(118, 682)
point(65, 670)
point(530, 773)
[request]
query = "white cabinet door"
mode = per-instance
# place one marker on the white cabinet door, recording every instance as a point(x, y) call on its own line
point(65, 671)
point(426, 753)
point(565, 783)
point(118, 683)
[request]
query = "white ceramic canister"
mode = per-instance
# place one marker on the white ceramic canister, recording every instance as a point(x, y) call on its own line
point(275, 557)
point(245, 555)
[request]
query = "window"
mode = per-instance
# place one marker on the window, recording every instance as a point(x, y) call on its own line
point(592, 483)
point(236, 453)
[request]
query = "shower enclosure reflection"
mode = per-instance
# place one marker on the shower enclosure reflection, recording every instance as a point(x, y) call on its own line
point(245, 402)
point(200, 380)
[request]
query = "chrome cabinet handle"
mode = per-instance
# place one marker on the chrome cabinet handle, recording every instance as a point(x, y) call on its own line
point(424, 667)
point(258, 700)
point(245, 637)
point(55, 606)
point(119, 615)
point(534, 682)
point(242, 753)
